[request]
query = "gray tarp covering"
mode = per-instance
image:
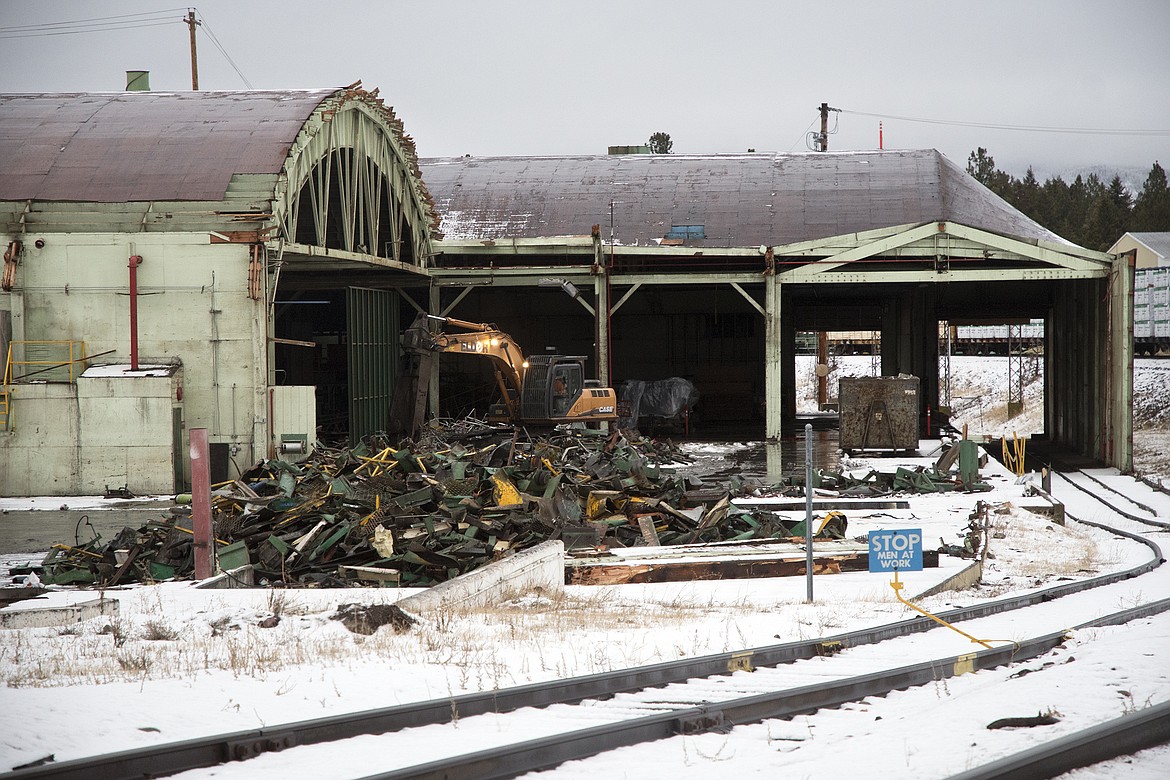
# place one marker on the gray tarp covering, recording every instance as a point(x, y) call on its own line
point(661, 398)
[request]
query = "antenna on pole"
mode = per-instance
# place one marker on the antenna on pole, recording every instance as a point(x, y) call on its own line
point(191, 23)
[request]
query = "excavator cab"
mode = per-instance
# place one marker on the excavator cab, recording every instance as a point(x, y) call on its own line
point(552, 386)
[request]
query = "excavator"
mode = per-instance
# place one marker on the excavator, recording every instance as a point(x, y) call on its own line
point(537, 390)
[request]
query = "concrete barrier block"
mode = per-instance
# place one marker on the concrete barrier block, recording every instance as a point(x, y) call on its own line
point(542, 566)
point(44, 617)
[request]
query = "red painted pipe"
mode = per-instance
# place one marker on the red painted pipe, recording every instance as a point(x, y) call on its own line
point(135, 261)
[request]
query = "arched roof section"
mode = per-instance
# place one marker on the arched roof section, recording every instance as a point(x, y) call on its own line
point(335, 165)
point(738, 200)
point(352, 182)
point(144, 146)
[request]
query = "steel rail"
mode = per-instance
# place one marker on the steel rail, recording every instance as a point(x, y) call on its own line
point(162, 760)
point(1115, 491)
point(1122, 512)
point(1118, 737)
point(535, 755)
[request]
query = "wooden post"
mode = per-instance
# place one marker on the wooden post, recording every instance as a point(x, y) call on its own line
point(201, 502)
point(190, 20)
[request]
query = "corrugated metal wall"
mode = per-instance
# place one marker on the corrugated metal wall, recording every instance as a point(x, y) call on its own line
point(372, 317)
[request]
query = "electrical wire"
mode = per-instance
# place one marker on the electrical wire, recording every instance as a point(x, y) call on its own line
point(95, 24)
point(803, 136)
point(4, 35)
point(207, 28)
point(1021, 128)
point(120, 22)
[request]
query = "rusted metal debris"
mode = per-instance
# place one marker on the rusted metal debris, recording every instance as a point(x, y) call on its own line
point(414, 513)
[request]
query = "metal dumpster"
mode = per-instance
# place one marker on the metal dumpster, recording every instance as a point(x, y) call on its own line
point(879, 413)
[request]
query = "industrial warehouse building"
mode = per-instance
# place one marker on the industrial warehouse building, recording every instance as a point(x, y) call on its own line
point(272, 245)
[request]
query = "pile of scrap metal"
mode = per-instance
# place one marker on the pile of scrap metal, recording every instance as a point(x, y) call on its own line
point(416, 513)
point(957, 469)
point(159, 550)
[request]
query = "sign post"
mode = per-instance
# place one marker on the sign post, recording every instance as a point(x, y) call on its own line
point(899, 550)
point(895, 550)
point(808, 517)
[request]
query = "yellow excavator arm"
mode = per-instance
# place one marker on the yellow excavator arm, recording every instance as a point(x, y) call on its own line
point(481, 339)
point(556, 391)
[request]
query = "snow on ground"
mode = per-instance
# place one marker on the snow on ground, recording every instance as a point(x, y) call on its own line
point(206, 651)
point(179, 662)
point(978, 391)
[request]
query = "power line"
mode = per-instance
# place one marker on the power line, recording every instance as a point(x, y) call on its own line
point(5, 35)
point(118, 22)
point(1021, 128)
point(203, 23)
point(96, 24)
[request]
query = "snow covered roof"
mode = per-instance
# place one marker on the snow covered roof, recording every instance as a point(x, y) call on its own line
point(740, 200)
point(141, 146)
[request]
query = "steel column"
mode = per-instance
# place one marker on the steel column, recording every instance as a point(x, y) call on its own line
point(773, 339)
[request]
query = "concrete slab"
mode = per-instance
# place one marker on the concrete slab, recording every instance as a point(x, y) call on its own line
point(43, 617)
point(541, 567)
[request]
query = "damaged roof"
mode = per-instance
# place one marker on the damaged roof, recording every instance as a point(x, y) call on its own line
point(739, 200)
point(143, 146)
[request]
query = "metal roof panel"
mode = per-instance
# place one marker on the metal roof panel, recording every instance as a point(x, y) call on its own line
point(142, 146)
point(743, 200)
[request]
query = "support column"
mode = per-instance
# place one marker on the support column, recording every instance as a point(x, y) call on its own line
point(773, 339)
point(601, 331)
point(435, 307)
point(602, 312)
point(1121, 371)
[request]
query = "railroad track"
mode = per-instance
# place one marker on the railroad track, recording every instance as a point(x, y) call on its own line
point(589, 715)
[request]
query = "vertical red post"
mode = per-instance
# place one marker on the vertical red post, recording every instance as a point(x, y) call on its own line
point(881, 140)
point(135, 261)
point(201, 502)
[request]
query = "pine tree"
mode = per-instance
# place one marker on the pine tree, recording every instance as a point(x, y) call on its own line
point(981, 165)
point(1108, 216)
point(660, 143)
point(1027, 195)
point(1055, 201)
point(1151, 209)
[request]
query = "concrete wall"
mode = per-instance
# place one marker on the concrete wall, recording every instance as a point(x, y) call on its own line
point(39, 457)
point(126, 433)
point(193, 309)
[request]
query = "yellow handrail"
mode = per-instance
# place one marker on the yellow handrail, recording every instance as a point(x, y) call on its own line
point(73, 348)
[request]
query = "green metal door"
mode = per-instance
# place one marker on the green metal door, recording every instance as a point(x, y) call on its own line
point(373, 351)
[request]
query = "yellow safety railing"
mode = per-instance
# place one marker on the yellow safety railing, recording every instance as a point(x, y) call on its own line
point(46, 361)
point(6, 393)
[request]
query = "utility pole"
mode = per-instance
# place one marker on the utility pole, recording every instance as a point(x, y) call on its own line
point(190, 20)
point(823, 138)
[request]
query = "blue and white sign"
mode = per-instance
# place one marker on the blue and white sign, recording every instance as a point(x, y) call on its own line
point(897, 549)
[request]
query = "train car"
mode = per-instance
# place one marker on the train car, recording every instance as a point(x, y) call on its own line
point(1151, 311)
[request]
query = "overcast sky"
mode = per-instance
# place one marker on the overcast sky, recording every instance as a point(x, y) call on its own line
point(547, 77)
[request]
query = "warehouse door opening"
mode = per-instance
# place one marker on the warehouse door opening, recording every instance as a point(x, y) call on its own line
point(991, 376)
